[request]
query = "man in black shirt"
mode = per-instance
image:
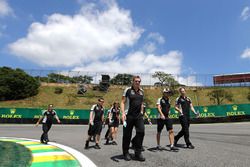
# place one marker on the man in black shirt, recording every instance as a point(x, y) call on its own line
point(183, 106)
point(163, 106)
point(133, 96)
point(96, 119)
point(47, 120)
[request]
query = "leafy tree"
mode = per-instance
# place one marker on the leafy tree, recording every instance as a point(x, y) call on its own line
point(219, 95)
point(122, 79)
point(58, 78)
point(16, 84)
point(83, 79)
point(165, 79)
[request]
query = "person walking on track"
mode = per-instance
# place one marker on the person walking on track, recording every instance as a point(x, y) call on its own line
point(133, 96)
point(96, 120)
point(163, 106)
point(114, 121)
point(47, 120)
point(183, 106)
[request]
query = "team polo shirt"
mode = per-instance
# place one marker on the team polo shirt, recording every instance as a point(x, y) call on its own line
point(115, 113)
point(134, 101)
point(98, 112)
point(165, 106)
point(48, 116)
point(184, 104)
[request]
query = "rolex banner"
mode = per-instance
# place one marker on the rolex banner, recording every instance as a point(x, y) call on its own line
point(77, 114)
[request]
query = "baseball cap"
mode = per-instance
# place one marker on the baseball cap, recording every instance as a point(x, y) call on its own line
point(166, 90)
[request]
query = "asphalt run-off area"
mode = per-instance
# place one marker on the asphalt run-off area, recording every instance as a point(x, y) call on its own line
point(216, 145)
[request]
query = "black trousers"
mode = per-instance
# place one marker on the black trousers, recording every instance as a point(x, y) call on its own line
point(46, 128)
point(107, 133)
point(185, 123)
point(132, 122)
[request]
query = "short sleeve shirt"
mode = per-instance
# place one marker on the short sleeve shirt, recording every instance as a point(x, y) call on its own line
point(98, 112)
point(165, 106)
point(115, 113)
point(184, 104)
point(48, 116)
point(134, 100)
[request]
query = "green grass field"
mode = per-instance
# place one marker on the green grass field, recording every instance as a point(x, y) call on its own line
point(70, 100)
point(14, 155)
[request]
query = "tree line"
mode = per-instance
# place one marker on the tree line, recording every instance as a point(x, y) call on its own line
point(17, 84)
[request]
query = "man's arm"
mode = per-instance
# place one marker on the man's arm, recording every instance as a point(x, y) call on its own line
point(193, 110)
point(149, 121)
point(159, 110)
point(39, 120)
point(91, 118)
point(177, 108)
point(57, 118)
point(123, 108)
point(103, 121)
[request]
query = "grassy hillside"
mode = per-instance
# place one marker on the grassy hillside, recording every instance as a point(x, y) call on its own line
point(70, 99)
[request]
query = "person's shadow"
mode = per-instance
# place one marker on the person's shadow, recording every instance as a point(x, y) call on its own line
point(117, 158)
point(155, 149)
point(90, 147)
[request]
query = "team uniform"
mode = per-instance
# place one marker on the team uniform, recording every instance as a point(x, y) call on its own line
point(96, 128)
point(115, 116)
point(134, 117)
point(184, 105)
point(47, 123)
point(165, 108)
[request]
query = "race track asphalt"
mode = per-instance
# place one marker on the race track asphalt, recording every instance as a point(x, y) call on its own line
point(216, 145)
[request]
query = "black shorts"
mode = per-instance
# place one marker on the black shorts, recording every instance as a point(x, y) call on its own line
point(95, 129)
point(114, 124)
point(160, 124)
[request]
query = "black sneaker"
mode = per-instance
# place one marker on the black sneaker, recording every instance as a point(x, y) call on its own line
point(133, 146)
point(107, 141)
point(86, 145)
point(159, 148)
point(190, 146)
point(114, 143)
point(139, 157)
point(173, 148)
point(175, 141)
point(127, 156)
point(97, 146)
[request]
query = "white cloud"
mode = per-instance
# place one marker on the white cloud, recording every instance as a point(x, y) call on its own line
point(138, 62)
point(149, 47)
point(88, 36)
point(5, 9)
point(246, 53)
point(245, 14)
point(157, 37)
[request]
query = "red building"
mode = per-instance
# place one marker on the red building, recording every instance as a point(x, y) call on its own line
point(231, 78)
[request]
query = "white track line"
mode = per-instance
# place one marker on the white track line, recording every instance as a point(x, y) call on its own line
point(82, 159)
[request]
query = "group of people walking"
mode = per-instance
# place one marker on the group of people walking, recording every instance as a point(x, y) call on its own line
point(132, 111)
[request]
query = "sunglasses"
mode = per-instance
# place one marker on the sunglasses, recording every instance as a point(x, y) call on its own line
point(138, 81)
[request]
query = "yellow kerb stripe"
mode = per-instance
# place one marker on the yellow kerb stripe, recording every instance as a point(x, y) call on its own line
point(45, 147)
point(28, 142)
point(52, 158)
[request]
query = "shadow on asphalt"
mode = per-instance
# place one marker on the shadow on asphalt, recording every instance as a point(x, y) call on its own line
point(116, 158)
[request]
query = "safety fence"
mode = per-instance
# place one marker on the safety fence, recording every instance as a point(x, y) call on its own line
point(28, 115)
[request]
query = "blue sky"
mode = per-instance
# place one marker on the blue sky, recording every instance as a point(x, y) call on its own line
point(179, 37)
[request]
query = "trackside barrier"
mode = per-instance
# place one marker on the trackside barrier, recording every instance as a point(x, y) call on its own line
point(78, 116)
